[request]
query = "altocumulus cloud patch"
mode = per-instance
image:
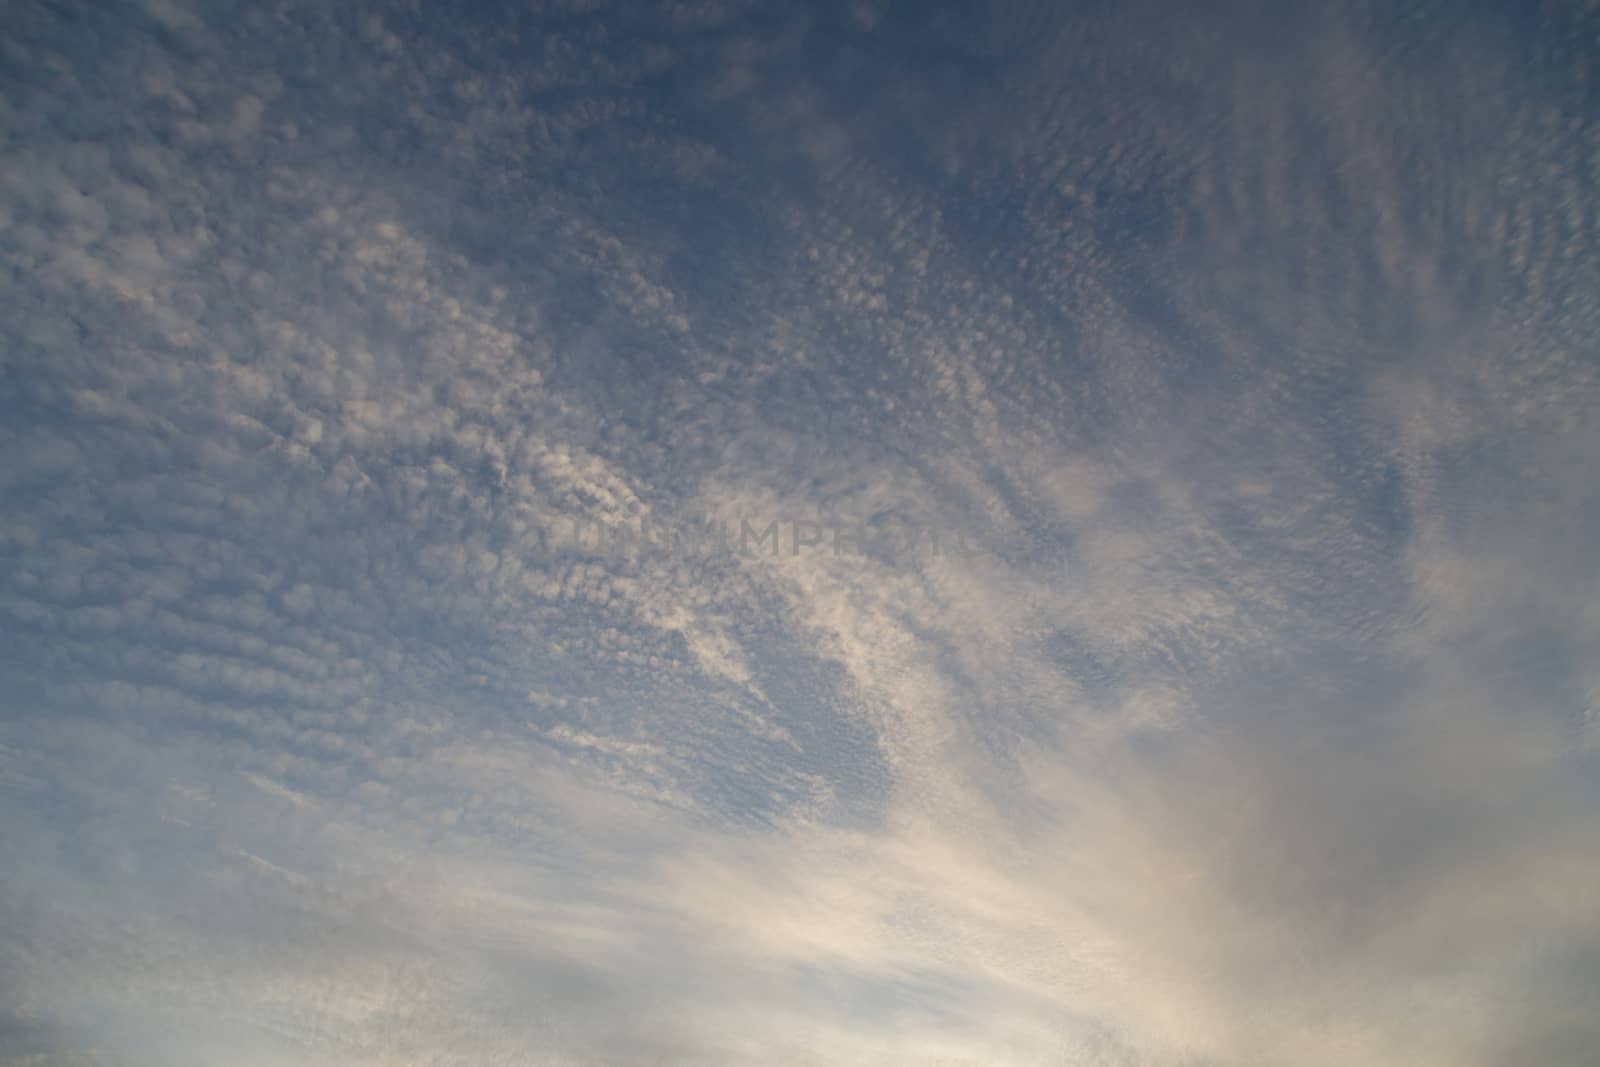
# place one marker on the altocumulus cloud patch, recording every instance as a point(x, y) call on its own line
point(828, 534)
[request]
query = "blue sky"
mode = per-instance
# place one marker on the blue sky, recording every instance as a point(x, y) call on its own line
point(1178, 646)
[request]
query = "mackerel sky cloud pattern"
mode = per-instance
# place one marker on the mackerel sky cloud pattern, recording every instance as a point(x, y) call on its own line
point(1209, 396)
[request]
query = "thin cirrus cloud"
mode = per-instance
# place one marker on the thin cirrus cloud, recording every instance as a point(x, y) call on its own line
point(1244, 354)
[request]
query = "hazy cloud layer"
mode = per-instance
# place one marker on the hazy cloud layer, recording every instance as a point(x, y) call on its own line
point(1213, 681)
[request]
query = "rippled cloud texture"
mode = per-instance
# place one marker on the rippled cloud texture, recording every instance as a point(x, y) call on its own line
point(1248, 352)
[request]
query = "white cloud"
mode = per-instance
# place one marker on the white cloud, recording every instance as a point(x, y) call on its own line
point(1258, 727)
